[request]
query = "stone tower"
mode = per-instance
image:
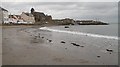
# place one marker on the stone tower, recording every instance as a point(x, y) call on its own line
point(32, 10)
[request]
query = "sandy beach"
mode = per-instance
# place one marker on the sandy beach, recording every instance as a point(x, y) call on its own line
point(0, 45)
point(27, 45)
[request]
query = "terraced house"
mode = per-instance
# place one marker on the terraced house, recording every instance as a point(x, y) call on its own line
point(27, 17)
point(3, 15)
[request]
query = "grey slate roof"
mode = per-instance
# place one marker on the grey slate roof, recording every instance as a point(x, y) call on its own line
point(3, 9)
point(29, 14)
point(40, 14)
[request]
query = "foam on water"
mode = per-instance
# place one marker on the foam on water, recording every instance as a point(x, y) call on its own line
point(80, 33)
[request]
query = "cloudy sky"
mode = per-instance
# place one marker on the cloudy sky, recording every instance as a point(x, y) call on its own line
point(104, 11)
point(59, 0)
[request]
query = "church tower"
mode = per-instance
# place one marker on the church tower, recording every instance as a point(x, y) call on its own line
point(32, 10)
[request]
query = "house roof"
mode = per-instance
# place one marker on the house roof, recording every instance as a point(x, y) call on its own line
point(29, 14)
point(40, 14)
point(3, 9)
point(12, 16)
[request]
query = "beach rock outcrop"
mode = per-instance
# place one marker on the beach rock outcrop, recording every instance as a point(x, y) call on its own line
point(50, 40)
point(66, 26)
point(109, 50)
point(75, 44)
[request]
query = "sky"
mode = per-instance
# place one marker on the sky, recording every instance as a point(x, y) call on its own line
point(59, 0)
point(103, 11)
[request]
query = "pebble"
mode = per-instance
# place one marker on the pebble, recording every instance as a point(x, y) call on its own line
point(42, 37)
point(98, 56)
point(50, 40)
point(62, 41)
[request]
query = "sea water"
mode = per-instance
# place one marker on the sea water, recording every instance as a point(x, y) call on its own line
point(101, 31)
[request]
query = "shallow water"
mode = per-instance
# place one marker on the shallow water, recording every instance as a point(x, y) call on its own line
point(108, 30)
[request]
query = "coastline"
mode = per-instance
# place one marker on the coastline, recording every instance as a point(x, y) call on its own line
point(23, 43)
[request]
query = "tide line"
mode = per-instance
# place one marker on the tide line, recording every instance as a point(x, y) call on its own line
point(80, 33)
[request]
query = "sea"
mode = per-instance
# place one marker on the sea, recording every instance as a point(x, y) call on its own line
point(101, 31)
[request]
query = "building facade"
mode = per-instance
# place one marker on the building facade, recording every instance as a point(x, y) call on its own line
point(40, 17)
point(48, 18)
point(3, 15)
point(27, 17)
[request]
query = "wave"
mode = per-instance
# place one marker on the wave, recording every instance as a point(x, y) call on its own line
point(80, 33)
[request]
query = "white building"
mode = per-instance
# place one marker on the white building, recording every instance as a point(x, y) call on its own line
point(28, 17)
point(3, 15)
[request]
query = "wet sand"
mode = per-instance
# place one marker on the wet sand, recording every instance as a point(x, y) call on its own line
point(0, 45)
point(31, 46)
